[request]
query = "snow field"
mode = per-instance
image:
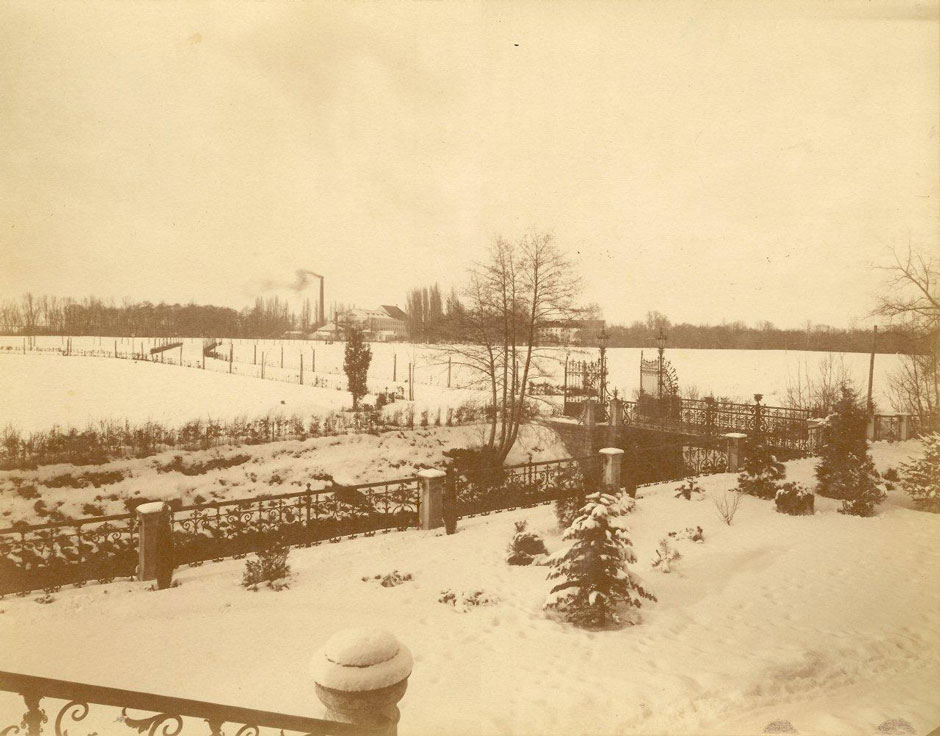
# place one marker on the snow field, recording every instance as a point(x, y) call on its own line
point(737, 374)
point(830, 622)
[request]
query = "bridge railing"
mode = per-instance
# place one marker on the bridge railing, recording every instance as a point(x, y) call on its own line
point(780, 427)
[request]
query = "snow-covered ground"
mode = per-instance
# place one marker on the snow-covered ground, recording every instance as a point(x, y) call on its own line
point(277, 467)
point(50, 389)
point(829, 622)
point(45, 390)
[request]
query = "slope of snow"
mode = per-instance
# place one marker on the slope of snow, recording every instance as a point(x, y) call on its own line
point(829, 622)
point(276, 467)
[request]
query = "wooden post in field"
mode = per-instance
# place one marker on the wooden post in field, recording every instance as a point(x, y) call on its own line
point(394, 366)
point(262, 364)
point(871, 369)
point(282, 355)
point(411, 382)
point(181, 355)
point(231, 356)
point(313, 360)
point(301, 369)
point(254, 359)
point(115, 348)
point(448, 371)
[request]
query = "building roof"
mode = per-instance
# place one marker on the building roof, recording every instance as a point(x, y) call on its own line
point(395, 312)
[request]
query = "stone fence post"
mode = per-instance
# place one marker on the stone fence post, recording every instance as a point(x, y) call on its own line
point(432, 498)
point(611, 458)
point(870, 429)
point(904, 426)
point(735, 451)
point(360, 675)
point(152, 520)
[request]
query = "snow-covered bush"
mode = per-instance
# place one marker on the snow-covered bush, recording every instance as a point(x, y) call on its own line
point(463, 600)
point(761, 471)
point(795, 500)
point(687, 489)
point(665, 556)
point(694, 534)
point(594, 581)
point(270, 568)
point(390, 580)
point(920, 477)
point(525, 546)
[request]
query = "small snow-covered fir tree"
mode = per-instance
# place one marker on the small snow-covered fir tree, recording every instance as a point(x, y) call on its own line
point(356, 361)
point(845, 469)
point(761, 471)
point(921, 476)
point(594, 581)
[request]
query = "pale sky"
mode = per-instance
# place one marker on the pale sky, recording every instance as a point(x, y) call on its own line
point(730, 161)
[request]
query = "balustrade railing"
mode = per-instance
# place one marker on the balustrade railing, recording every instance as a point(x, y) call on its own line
point(59, 707)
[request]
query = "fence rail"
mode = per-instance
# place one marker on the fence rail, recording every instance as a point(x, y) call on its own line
point(49, 556)
point(229, 528)
point(519, 486)
point(167, 715)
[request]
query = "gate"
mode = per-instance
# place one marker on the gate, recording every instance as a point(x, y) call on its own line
point(583, 380)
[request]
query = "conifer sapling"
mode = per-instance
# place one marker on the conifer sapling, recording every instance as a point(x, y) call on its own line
point(594, 584)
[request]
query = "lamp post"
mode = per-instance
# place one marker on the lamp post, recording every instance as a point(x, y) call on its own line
point(661, 346)
point(602, 339)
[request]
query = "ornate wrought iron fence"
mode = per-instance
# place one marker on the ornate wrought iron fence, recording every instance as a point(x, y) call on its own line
point(887, 427)
point(163, 715)
point(520, 486)
point(229, 528)
point(675, 460)
point(582, 381)
point(780, 427)
point(48, 556)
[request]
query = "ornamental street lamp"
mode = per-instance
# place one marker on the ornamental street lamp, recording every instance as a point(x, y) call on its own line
point(602, 339)
point(661, 345)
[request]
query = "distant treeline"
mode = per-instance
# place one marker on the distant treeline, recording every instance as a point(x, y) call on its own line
point(431, 319)
point(50, 315)
point(765, 336)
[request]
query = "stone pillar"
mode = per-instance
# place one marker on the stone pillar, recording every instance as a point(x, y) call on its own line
point(589, 419)
point(150, 518)
point(615, 412)
point(735, 451)
point(432, 498)
point(360, 675)
point(610, 478)
point(904, 426)
point(870, 431)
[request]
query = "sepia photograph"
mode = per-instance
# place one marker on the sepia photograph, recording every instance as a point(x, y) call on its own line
point(480, 368)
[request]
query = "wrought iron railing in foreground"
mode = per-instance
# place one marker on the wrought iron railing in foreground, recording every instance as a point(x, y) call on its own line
point(166, 716)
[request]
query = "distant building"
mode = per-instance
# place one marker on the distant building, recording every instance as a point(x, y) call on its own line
point(383, 324)
point(571, 332)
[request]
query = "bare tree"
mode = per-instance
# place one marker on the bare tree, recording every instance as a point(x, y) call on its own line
point(512, 296)
point(818, 390)
point(912, 301)
point(29, 310)
point(727, 505)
